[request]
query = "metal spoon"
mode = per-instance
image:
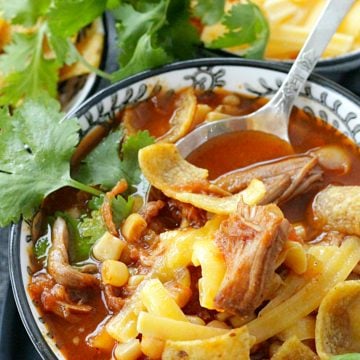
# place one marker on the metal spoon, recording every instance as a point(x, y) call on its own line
point(273, 117)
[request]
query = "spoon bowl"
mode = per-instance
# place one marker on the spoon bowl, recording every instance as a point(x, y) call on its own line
point(273, 118)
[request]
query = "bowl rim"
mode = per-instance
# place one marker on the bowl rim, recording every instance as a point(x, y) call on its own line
point(17, 282)
point(220, 61)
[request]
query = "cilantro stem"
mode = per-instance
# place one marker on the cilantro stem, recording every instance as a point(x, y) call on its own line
point(83, 61)
point(83, 187)
point(37, 56)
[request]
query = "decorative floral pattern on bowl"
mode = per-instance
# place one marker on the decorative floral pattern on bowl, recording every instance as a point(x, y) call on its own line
point(320, 97)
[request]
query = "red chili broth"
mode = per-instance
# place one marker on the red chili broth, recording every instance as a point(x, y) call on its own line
point(219, 156)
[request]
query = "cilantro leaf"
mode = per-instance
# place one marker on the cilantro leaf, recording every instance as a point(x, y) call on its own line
point(24, 12)
point(153, 34)
point(90, 228)
point(209, 11)
point(95, 202)
point(246, 26)
point(134, 24)
point(121, 208)
point(84, 232)
point(27, 72)
point(17, 53)
point(27, 66)
point(41, 247)
point(145, 56)
point(112, 4)
point(67, 17)
point(36, 146)
point(130, 149)
point(352, 356)
point(103, 165)
point(178, 35)
point(65, 51)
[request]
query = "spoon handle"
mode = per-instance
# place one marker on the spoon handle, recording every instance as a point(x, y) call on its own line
point(311, 52)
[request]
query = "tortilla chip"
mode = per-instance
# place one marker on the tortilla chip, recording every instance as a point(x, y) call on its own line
point(5, 33)
point(234, 345)
point(294, 349)
point(337, 328)
point(182, 120)
point(166, 170)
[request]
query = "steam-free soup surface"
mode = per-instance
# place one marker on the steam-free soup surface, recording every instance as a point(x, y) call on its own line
point(219, 156)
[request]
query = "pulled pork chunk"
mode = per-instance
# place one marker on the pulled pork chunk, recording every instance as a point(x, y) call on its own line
point(250, 240)
point(58, 260)
point(284, 178)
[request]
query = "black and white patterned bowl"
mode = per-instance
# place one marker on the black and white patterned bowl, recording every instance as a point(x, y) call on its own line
point(327, 100)
point(344, 69)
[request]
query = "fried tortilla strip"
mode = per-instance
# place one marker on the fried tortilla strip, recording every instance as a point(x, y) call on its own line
point(338, 208)
point(183, 117)
point(294, 349)
point(233, 345)
point(338, 321)
point(5, 33)
point(166, 170)
point(251, 240)
point(338, 262)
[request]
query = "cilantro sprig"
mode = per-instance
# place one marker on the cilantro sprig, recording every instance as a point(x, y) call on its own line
point(155, 33)
point(36, 146)
point(84, 232)
point(150, 34)
point(106, 164)
point(246, 26)
point(27, 66)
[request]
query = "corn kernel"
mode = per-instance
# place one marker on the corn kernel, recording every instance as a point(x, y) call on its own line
point(108, 247)
point(128, 351)
point(133, 227)
point(101, 340)
point(114, 273)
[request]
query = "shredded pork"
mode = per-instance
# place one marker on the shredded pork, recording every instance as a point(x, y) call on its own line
point(250, 240)
point(58, 260)
point(284, 178)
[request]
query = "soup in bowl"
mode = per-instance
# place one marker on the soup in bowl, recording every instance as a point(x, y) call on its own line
point(248, 247)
